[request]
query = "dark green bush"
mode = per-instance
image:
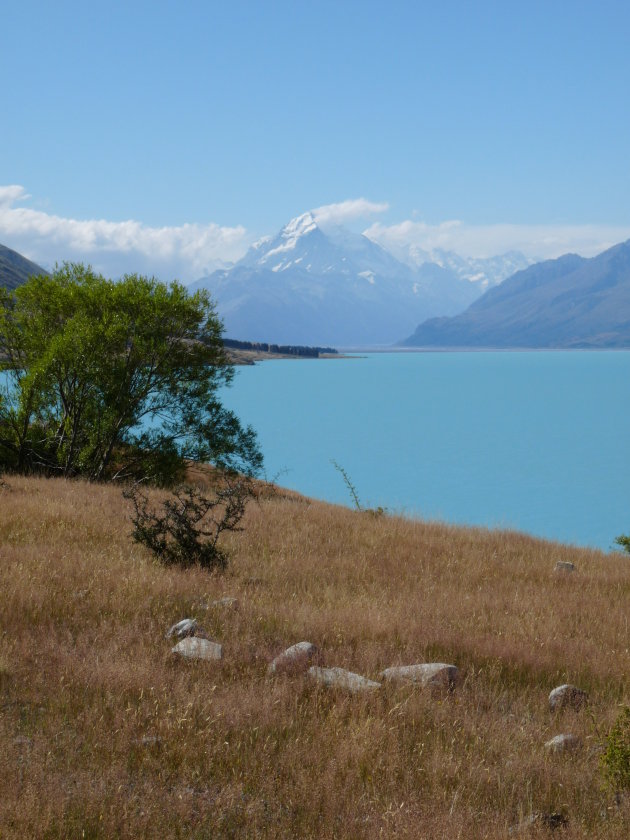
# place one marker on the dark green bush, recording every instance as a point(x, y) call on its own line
point(185, 529)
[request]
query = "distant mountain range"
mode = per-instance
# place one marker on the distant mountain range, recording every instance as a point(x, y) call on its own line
point(314, 284)
point(15, 269)
point(568, 302)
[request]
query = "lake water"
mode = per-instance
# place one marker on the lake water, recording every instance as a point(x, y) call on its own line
point(538, 442)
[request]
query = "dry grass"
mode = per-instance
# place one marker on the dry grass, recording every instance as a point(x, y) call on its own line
point(86, 674)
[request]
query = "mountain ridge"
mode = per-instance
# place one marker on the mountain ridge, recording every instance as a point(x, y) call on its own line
point(15, 269)
point(569, 302)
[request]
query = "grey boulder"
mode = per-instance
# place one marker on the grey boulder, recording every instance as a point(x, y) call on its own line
point(563, 743)
point(434, 675)
point(294, 659)
point(229, 602)
point(564, 566)
point(567, 696)
point(183, 628)
point(340, 678)
point(193, 648)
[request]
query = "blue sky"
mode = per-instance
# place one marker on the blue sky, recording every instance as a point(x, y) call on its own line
point(170, 136)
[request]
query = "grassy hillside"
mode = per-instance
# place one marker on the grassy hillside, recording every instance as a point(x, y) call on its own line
point(103, 733)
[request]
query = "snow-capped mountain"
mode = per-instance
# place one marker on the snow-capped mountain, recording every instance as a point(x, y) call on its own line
point(486, 272)
point(315, 285)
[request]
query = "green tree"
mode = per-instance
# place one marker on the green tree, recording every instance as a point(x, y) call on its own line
point(115, 379)
point(623, 540)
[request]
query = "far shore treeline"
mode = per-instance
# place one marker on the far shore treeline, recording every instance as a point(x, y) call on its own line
point(284, 349)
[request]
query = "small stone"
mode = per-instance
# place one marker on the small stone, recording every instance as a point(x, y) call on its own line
point(185, 627)
point(149, 741)
point(340, 678)
point(194, 648)
point(567, 696)
point(553, 820)
point(434, 675)
point(226, 603)
point(294, 659)
point(564, 566)
point(563, 743)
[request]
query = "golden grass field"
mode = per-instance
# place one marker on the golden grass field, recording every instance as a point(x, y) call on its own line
point(86, 674)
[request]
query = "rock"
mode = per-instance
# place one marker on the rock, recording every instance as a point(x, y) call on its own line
point(563, 743)
point(434, 675)
point(567, 696)
point(183, 628)
point(564, 566)
point(553, 820)
point(149, 741)
point(226, 603)
point(193, 648)
point(294, 659)
point(340, 678)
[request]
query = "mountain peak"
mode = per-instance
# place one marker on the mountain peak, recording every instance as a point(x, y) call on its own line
point(299, 226)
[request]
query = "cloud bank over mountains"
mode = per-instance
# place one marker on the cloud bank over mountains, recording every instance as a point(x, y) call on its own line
point(192, 250)
point(183, 251)
point(536, 241)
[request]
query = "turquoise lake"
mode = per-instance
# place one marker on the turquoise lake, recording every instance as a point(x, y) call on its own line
point(537, 442)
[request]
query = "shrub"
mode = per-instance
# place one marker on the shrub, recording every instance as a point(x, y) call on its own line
point(615, 760)
point(623, 540)
point(186, 528)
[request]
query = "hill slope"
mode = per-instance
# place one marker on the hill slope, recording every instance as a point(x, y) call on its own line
point(15, 269)
point(568, 302)
point(105, 733)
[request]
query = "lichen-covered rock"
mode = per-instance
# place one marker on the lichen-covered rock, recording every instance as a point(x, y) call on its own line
point(194, 648)
point(563, 743)
point(434, 675)
point(185, 627)
point(294, 659)
point(564, 566)
point(567, 697)
point(228, 603)
point(340, 678)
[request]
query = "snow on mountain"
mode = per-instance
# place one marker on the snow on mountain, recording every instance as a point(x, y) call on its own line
point(314, 284)
point(487, 272)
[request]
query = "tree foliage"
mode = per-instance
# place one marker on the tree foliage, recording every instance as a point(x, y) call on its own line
point(114, 379)
point(623, 540)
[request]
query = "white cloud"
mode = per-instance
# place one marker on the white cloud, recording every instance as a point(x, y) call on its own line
point(189, 251)
point(186, 251)
point(536, 241)
point(347, 211)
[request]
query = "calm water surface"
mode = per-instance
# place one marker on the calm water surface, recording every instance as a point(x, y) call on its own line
point(535, 441)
